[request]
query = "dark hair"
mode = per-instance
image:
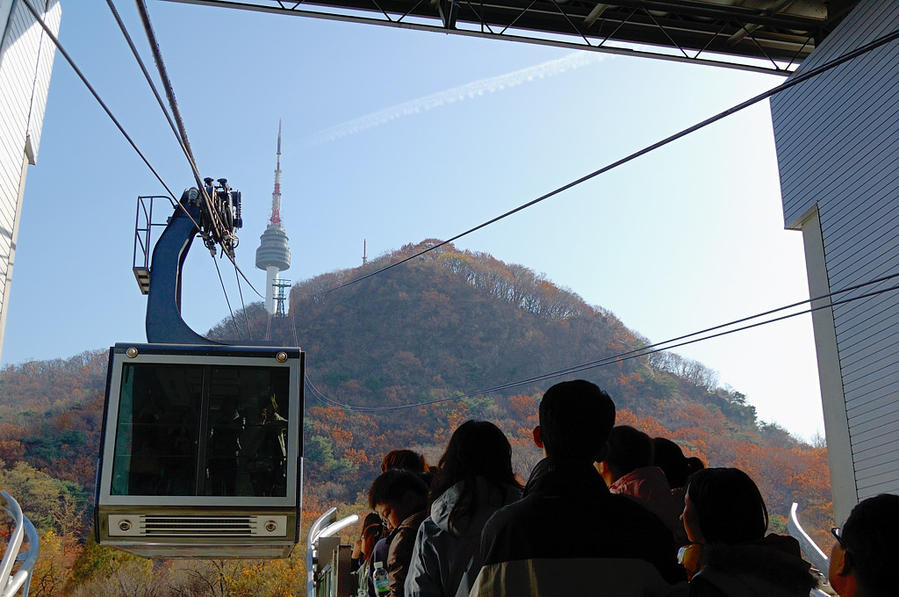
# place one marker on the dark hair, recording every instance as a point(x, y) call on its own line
point(404, 459)
point(391, 486)
point(575, 420)
point(476, 449)
point(869, 537)
point(629, 449)
point(668, 456)
point(694, 464)
point(372, 518)
point(729, 506)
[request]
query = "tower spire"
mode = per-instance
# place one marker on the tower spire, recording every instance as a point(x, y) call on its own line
point(276, 194)
point(273, 254)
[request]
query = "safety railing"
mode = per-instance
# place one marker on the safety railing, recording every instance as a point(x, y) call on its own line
point(11, 583)
point(810, 549)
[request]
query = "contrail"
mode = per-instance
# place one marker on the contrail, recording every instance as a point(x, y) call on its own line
point(461, 93)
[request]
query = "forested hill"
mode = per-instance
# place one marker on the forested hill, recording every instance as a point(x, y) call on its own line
point(440, 328)
point(455, 322)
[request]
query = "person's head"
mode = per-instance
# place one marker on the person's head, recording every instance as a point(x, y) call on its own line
point(668, 456)
point(863, 560)
point(396, 495)
point(575, 420)
point(723, 505)
point(694, 464)
point(476, 449)
point(629, 449)
point(372, 530)
point(406, 460)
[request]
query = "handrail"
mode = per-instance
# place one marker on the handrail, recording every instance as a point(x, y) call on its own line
point(809, 548)
point(11, 583)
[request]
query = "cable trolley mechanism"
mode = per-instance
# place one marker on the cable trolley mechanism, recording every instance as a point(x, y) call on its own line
point(201, 450)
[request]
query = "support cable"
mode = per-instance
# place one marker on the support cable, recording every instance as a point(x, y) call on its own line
point(225, 292)
point(216, 222)
point(795, 80)
point(146, 73)
point(182, 141)
point(652, 348)
point(27, 3)
point(243, 306)
point(623, 357)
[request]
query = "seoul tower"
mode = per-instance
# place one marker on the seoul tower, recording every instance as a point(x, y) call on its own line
point(273, 254)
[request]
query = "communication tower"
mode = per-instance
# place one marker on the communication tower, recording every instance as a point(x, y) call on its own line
point(273, 254)
point(282, 295)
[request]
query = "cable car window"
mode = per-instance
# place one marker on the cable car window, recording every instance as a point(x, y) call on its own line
point(229, 420)
point(247, 439)
point(158, 423)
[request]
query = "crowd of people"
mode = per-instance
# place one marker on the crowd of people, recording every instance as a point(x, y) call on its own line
point(607, 511)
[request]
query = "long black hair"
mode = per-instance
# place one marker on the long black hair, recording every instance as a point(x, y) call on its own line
point(729, 506)
point(476, 449)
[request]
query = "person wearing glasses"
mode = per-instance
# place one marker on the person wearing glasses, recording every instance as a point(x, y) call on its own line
point(863, 559)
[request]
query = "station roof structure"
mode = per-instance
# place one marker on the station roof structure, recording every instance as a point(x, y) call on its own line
point(762, 35)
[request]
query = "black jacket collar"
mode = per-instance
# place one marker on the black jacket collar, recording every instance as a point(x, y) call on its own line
point(565, 477)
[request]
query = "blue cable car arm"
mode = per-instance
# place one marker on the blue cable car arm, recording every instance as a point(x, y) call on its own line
point(164, 322)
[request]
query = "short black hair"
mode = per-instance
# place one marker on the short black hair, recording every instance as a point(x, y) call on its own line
point(404, 459)
point(575, 420)
point(869, 538)
point(390, 487)
point(629, 449)
point(729, 506)
point(668, 456)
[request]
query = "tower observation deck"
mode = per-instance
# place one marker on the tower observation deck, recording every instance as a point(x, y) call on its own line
point(273, 254)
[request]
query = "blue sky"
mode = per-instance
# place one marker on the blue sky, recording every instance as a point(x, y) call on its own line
point(687, 237)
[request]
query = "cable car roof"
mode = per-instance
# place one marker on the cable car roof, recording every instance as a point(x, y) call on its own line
point(761, 35)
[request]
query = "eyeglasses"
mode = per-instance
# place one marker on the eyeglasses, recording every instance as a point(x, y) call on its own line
point(837, 532)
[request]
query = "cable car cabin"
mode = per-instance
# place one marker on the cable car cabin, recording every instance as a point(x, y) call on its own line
point(201, 451)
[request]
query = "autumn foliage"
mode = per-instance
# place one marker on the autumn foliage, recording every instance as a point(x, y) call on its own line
point(396, 360)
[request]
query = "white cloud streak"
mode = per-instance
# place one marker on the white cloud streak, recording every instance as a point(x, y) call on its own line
point(461, 93)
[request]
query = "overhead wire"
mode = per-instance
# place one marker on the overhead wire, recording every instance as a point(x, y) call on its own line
point(792, 82)
point(650, 348)
point(216, 222)
point(182, 135)
point(176, 113)
point(243, 306)
point(40, 21)
point(575, 368)
point(179, 131)
point(615, 358)
point(619, 358)
point(231, 311)
point(172, 197)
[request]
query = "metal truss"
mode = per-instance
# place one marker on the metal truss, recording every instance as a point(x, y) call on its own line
point(771, 36)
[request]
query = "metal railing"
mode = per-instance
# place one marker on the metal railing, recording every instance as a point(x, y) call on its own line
point(11, 583)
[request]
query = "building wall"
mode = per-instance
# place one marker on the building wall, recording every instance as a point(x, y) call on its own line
point(26, 60)
point(837, 142)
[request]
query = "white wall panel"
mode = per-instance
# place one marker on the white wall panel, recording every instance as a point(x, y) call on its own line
point(26, 61)
point(837, 140)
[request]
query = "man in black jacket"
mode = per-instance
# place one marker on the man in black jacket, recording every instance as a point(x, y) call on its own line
point(568, 535)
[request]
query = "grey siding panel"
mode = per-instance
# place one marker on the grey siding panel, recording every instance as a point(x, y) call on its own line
point(874, 481)
point(880, 424)
point(876, 460)
point(867, 439)
point(837, 140)
point(884, 326)
point(870, 412)
point(878, 472)
point(888, 487)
